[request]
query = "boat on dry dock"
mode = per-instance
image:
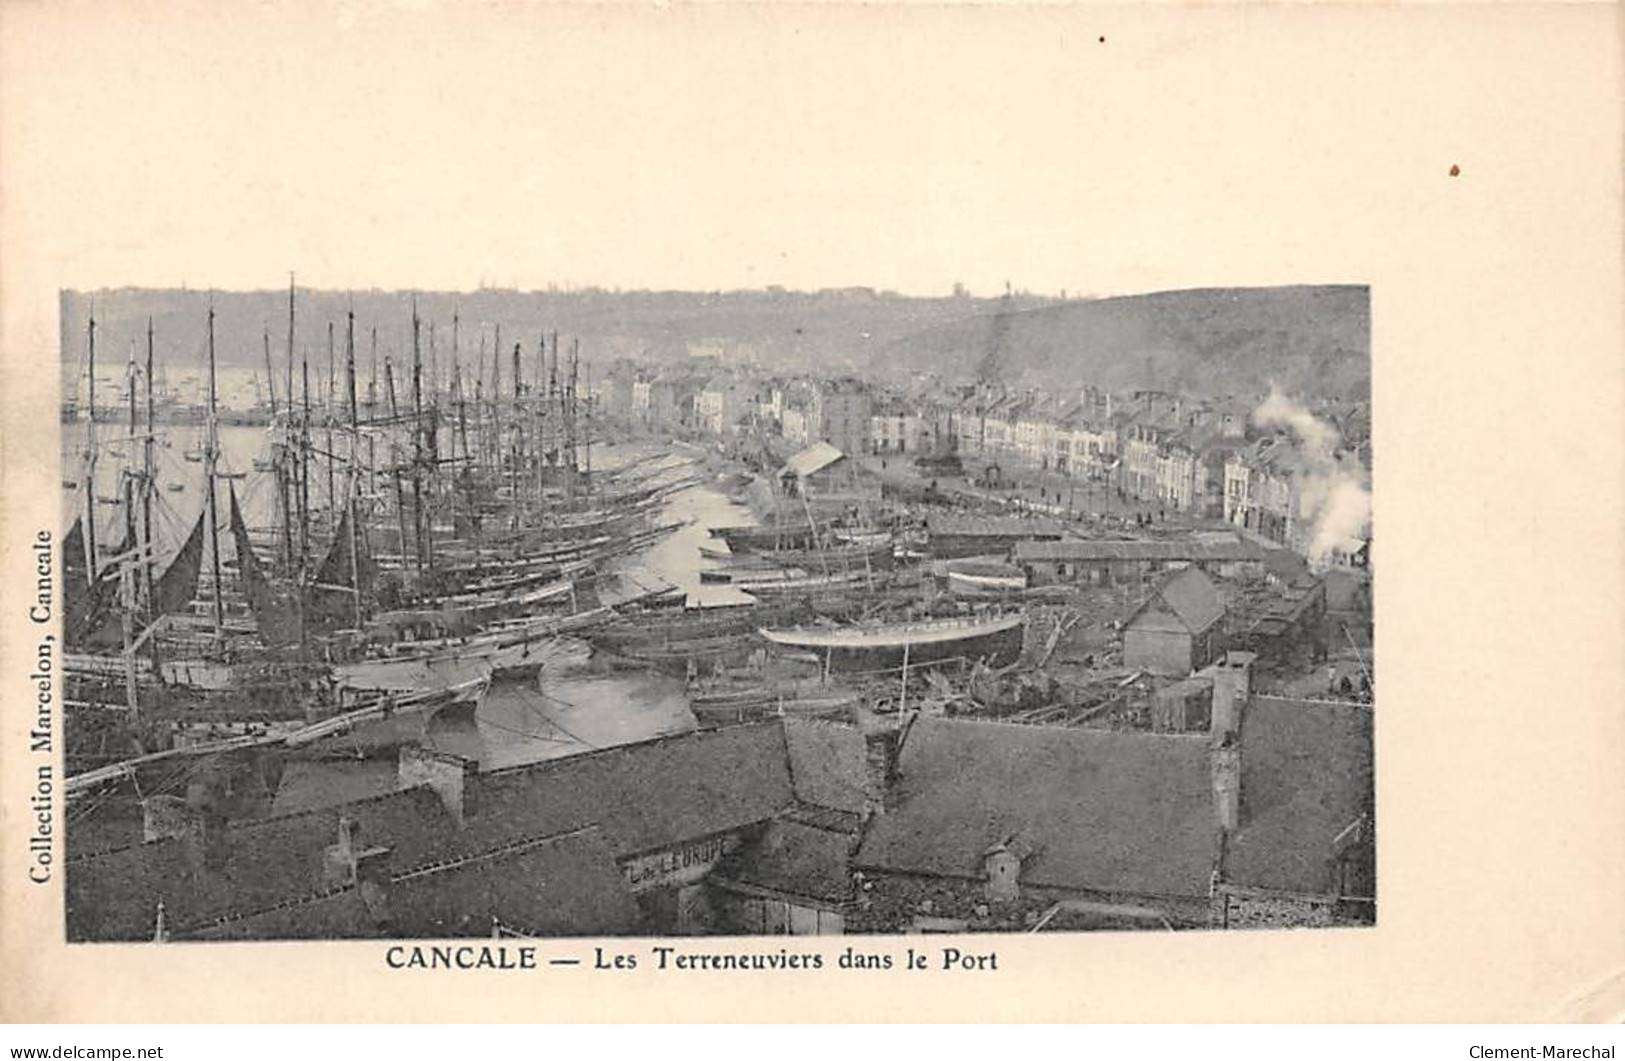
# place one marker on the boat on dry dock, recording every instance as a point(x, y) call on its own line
point(984, 578)
point(997, 639)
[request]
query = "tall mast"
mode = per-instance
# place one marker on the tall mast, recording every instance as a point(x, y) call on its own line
point(131, 524)
point(304, 463)
point(148, 471)
point(211, 456)
point(327, 420)
point(479, 400)
point(90, 460)
point(129, 376)
point(289, 389)
point(496, 387)
point(518, 439)
point(355, 441)
point(434, 369)
point(417, 439)
point(498, 433)
point(288, 470)
point(541, 411)
point(395, 455)
point(462, 479)
point(575, 367)
point(462, 412)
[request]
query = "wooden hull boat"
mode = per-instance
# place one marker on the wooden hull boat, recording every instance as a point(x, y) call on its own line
point(871, 647)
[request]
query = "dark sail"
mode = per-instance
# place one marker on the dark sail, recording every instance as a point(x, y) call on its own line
point(177, 586)
point(274, 615)
point(89, 619)
point(345, 570)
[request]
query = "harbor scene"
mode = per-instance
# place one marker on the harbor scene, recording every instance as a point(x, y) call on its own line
point(355, 604)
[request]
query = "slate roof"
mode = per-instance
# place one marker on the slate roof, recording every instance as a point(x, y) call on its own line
point(554, 886)
point(549, 886)
point(641, 796)
point(114, 895)
point(1190, 596)
point(993, 526)
point(828, 765)
point(795, 858)
point(649, 795)
point(1106, 811)
point(1306, 774)
point(1161, 550)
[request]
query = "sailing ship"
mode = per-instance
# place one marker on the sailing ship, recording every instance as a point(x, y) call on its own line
point(414, 556)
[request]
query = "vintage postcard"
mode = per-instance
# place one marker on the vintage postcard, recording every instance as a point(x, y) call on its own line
point(812, 513)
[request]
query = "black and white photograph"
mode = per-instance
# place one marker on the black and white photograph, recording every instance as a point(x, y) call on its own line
point(576, 512)
point(580, 612)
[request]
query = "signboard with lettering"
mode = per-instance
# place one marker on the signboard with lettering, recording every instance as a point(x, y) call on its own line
point(682, 864)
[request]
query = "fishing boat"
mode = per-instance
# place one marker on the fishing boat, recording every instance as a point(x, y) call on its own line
point(792, 583)
point(516, 649)
point(770, 537)
point(997, 639)
point(984, 578)
point(713, 709)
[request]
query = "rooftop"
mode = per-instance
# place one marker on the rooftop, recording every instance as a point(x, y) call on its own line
point(1104, 811)
point(815, 458)
point(1162, 549)
point(1190, 596)
point(707, 783)
point(1306, 775)
point(993, 526)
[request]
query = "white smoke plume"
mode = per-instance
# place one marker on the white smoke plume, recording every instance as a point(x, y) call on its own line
point(1333, 492)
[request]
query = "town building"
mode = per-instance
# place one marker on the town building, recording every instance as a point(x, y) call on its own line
point(953, 536)
point(1178, 628)
point(824, 472)
point(838, 413)
point(664, 400)
point(1104, 562)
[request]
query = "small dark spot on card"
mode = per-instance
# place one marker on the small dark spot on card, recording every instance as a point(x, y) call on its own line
point(1455, 170)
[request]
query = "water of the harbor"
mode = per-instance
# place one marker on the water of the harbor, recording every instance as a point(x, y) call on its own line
point(519, 722)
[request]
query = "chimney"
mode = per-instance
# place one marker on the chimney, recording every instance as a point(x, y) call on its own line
point(347, 863)
point(1232, 685)
point(1001, 864)
point(450, 776)
point(1225, 760)
point(338, 861)
point(880, 766)
point(373, 879)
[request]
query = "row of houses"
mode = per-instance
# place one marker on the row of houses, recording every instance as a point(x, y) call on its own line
point(1197, 457)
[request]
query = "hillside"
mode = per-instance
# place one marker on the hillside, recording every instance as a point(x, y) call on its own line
point(1314, 340)
point(1310, 340)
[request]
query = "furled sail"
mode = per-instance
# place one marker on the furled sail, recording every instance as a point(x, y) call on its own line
point(274, 614)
